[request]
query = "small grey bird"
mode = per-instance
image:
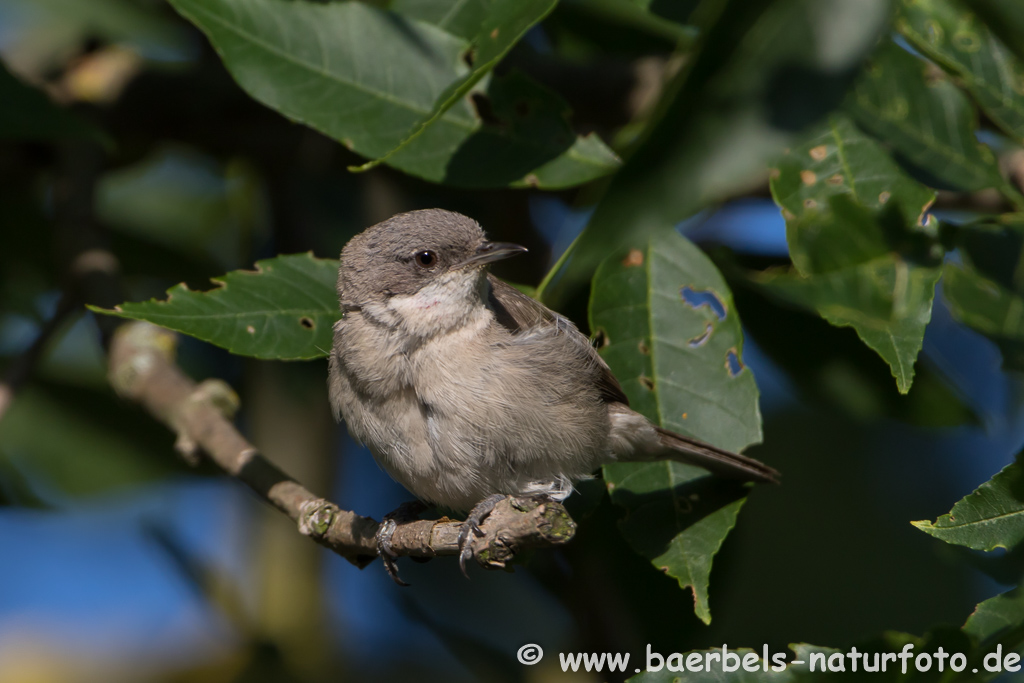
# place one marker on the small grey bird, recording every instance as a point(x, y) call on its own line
point(466, 390)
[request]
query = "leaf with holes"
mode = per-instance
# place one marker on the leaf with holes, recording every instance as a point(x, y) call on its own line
point(911, 105)
point(284, 310)
point(961, 43)
point(834, 158)
point(756, 78)
point(370, 78)
point(673, 339)
point(855, 234)
point(991, 517)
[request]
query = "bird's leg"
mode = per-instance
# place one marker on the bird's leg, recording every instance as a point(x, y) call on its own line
point(472, 524)
point(406, 512)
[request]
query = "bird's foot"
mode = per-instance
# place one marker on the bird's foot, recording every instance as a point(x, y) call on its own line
point(471, 527)
point(406, 512)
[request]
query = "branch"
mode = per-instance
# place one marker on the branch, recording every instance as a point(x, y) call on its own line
point(142, 368)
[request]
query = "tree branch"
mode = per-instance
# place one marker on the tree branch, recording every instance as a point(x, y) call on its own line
point(142, 368)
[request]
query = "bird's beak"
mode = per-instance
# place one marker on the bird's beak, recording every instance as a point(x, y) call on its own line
point(489, 252)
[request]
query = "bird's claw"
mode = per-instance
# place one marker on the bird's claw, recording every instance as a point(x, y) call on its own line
point(383, 537)
point(471, 527)
point(405, 512)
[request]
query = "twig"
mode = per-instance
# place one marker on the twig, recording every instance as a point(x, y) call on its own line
point(142, 368)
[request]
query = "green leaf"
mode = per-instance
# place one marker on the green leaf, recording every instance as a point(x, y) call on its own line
point(997, 617)
point(756, 77)
point(991, 517)
point(913, 106)
point(283, 310)
point(1005, 18)
point(961, 43)
point(666, 20)
point(326, 65)
point(852, 219)
point(671, 335)
point(989, 307)
point(887, 300)
point(463, 19)
point(833, 368)
point(28, 114)
point(503, 24)
point(986, 292)
point(836, 158)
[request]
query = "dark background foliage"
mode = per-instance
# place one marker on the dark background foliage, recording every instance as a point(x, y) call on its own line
point(850, 173)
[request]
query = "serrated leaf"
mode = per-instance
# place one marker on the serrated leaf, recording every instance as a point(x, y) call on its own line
point(989, 518)
point(850, 214)
point(911, 105)
point(368, 78)
point(955, 38)
point(756, 78)
point(284, 310)
point(672, 337)
point(886, 300)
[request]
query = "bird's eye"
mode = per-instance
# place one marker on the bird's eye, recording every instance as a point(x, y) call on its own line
point(425, 258)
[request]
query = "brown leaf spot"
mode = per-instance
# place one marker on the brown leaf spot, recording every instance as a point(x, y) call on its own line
point(250, 329)
point(348, 143)
point(774, 173)
point(644, 348)
point(601, 339)
point(482, 104)
point(647, 382)
point(635, 257)
point(837, 179)
point(884, 197)
point(685, 415)
point(820, 152)
point(494, 34)
point(808, 177)
point(810, 204)
point(307, 322)
point(532, 180)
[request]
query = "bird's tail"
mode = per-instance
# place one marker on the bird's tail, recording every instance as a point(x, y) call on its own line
point(716, 460)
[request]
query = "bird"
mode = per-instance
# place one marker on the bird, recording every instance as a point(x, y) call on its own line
point(466, 390)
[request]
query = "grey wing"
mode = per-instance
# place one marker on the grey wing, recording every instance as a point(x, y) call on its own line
point(517, 312)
